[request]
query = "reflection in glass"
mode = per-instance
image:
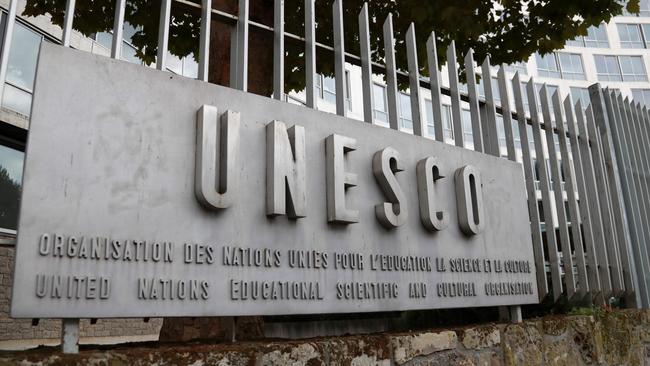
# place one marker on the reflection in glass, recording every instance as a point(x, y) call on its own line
point(405, 115)
point(11, 171)
point(22, 58)
point(16, 99)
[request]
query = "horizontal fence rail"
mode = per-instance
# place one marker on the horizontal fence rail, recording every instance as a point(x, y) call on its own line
point(590, 211)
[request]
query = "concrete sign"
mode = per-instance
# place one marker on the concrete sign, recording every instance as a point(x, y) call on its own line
point(149, 194)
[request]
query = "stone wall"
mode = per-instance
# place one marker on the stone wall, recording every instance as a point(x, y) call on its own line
point(602, 338)
point(22, 329)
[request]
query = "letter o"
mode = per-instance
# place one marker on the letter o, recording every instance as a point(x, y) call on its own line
point(469, 199)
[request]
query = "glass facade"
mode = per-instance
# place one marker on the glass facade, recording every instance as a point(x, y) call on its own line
point(560, 66)
point(641, 96)
point(11, 175)
point(630, 36)
point(596, 38)
point(21, 70)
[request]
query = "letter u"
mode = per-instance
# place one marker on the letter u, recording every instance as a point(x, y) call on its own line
point(217, 155)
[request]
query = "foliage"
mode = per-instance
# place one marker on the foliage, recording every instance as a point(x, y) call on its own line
point(507, 30)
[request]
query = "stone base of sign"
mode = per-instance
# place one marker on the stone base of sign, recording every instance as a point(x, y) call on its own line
point(50, 329)
point(597, 337)
point(242, 328)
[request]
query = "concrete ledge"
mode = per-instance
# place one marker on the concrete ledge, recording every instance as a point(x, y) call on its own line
point(26, 344)
point(596, 337)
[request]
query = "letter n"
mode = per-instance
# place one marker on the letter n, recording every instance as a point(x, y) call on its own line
point(285, 170)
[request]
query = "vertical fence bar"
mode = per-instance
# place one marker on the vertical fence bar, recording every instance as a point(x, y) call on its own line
point(626, 283)
point(507, 114)
point(163, 33)
point(118, 29)
point(551, 241)
point(529, 175)
point(472, 90)
point(585, 214)
point(556, 180)
point(608, 257)
point(6, 42)
point(490, 136)
point(645, 139)
point(594, 203)
point(434, 76)
point(414, 81)
point(67, 22)
point(612, 250)
point(339, 57)
point(310, 54)
point(278, 49)
point(582, 288)
point(642, 167)
point(241, 65)
point(644, 152)
point(204, 46)
point(391, 73)
point(644, 212)
point(634, 196)
point(366, 64)
point(626, 263)
point(454, 94)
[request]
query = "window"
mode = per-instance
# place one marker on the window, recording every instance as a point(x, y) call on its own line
point(105, 39)
point(11, 175)
point(380, 109)
point(641, 96)
point(630, 36)
point(428, 110)
point(607, 68)
point(446, 120)
point(547, 66)
point(21, 70)
point(582, 95)
point(620, 68)
point(520, 67)
point(405, 115)
point(501, 135)
point(632, 68)
point(644, 9)
point(571, 66)
point(561, 65)
point(186, 66)
point(596, 38)
point(550, 89)
point(326, 89)
point(496, 92)
point(468, 136)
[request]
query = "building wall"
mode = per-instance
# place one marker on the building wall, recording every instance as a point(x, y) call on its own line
point(23, 329)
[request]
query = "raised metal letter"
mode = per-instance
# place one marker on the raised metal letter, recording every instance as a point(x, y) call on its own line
point(338, 180)
point(469, 199)
point(285, 170)
point(428, 173)
point(385, 163)
point(215, 181)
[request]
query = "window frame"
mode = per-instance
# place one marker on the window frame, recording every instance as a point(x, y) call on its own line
point(562, 74)
point(586, 42)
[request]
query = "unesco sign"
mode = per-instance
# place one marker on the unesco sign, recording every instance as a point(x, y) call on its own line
point(147, 194)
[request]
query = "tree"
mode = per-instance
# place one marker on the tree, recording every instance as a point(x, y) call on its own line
point(507, 30)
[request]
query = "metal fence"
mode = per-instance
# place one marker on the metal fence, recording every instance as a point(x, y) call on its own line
point(599, 248)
